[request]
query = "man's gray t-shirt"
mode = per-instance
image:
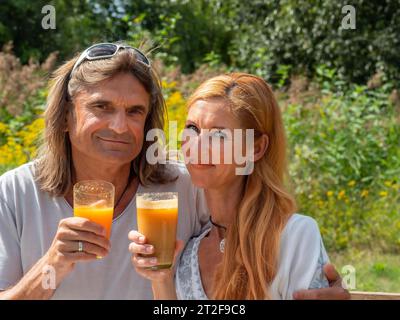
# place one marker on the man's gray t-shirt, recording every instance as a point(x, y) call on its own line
point(29, 220)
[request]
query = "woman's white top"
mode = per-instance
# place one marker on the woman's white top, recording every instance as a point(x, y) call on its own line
point(301, 260)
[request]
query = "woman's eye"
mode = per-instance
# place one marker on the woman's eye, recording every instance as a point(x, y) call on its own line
point(220, 134)
point(192, 127)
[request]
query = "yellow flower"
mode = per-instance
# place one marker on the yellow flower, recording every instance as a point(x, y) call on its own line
point(351, 183)
point(329, 193)
point(364, 193)
point(383, 194)
point(175, 99)
point(166, 85)
point(341, 194)
point(3, 127)
point(388, 183)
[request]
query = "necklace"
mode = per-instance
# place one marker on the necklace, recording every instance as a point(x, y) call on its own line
point(123, 192)
point(222, 243)
point(130, 178)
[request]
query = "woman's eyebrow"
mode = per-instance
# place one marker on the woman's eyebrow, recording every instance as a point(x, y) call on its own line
point(190, 122)
point(213, 127)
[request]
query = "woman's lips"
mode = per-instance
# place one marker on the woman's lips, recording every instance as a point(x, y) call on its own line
point(201, 166)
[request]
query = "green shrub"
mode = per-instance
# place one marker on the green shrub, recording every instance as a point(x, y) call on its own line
point(345, 165)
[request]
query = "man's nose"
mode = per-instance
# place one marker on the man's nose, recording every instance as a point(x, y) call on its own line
point(119, 123)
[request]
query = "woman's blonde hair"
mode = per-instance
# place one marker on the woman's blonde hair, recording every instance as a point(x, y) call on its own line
point(53, 167)
point(251, 253)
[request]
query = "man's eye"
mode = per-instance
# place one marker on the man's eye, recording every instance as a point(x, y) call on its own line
point(101, 106)
point(192, 127)
point(135, 111)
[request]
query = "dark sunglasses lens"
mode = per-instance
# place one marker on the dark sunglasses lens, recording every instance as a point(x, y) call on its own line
point(141, 57)
point(102, 50)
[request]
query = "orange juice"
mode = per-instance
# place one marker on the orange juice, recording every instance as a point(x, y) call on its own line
point(157, 221)
point(102, 216)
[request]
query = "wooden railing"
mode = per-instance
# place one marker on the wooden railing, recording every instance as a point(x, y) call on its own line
point(361, 295)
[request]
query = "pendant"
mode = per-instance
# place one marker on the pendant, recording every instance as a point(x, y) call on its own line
point(222, 245)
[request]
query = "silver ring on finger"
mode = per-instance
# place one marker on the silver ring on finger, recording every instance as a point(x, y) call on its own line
point(80, 246)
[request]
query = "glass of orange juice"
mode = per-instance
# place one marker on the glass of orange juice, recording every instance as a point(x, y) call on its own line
point(94, 200)
point(157, 217)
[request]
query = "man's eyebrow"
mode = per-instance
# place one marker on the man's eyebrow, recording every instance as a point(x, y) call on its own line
point(110, 103)
point(137, 106)
point(100, 101)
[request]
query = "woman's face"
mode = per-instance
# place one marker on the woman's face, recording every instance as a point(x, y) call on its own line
point(210, 144)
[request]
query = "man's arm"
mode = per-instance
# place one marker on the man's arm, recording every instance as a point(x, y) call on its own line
point(334, 292)
point(61, 257)
point(31, 285)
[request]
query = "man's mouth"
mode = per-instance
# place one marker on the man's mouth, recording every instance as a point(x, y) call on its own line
point(114, 141)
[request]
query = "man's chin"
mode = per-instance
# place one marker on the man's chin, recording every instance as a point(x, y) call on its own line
point(116, 156)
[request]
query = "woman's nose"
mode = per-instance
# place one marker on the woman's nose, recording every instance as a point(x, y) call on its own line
point(204, 148)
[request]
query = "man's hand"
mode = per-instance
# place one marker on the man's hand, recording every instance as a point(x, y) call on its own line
point(64, 253)
point(334, 292)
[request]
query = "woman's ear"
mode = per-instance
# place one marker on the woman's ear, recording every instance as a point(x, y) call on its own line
point(260, 146)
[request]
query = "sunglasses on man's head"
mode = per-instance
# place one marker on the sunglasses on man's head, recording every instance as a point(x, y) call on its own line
point(108, 50)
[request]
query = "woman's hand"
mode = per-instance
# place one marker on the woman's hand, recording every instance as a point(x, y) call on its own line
point(163, 279)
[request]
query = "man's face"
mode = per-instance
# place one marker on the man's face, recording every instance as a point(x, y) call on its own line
point(107, 120)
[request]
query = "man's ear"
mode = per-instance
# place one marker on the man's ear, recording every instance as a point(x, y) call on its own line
point(260, 146)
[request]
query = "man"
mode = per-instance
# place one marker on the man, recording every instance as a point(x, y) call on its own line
point(100, 108)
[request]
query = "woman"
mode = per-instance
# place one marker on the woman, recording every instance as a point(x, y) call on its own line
point(255, 246)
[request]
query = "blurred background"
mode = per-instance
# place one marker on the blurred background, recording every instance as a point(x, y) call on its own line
point(338, 88)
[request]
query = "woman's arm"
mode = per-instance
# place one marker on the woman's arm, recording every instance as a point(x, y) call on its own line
point(164, 290)
point(302, 258)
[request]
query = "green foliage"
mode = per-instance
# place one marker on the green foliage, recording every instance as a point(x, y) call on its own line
point(345, 164)
point(261, 36)
point(306, 34)
point(374, 271)
point(184, 31)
